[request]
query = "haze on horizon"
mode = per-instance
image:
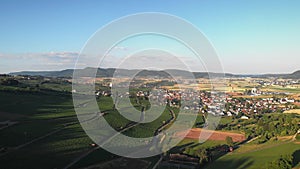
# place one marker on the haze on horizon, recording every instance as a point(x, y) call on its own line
point(251, 37)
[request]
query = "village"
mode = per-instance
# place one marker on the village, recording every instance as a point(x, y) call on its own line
point(218, 103)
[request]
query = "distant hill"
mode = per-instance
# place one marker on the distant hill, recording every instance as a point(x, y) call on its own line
point(109, 72)
point(295, 75)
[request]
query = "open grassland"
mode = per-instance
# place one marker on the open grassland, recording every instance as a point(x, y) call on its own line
point(254, 156)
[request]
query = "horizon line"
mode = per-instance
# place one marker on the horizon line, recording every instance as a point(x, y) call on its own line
point(157, 70)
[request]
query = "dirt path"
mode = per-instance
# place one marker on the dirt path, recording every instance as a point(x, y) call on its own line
point(253, 139)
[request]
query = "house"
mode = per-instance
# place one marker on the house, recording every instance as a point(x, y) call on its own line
point(255, 92)
point(229, 114)
point(283, 101)
point(244, 118)
point(290, 100)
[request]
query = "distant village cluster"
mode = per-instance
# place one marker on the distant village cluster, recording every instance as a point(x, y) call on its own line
point(231, 104)
point(276, 81)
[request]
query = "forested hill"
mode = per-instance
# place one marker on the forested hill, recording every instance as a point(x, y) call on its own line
point(109, 72)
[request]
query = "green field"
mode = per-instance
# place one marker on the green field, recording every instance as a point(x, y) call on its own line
point(40, 114)
point(52, 152)
point(256, 158)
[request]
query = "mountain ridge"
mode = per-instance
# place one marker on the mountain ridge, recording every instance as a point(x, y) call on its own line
point(109, 72)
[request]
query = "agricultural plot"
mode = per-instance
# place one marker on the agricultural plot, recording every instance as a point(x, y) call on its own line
point(40, 114)
point(296, 111)
point(196, 133)
point(55, 151)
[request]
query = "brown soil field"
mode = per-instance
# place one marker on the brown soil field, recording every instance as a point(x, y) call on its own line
point(215, 135)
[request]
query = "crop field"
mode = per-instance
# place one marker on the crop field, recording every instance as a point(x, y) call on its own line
point(52, 152)
point(240, 85)
point(29, 104)
point(48, 132)
point(296, 111)
point(39, 115)
point(196, 145)
point(196, 133)
point(281, 89)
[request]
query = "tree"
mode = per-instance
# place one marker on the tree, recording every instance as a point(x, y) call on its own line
point(229, 141)
point(283, 162)
point(260, 122)
point(203, 155)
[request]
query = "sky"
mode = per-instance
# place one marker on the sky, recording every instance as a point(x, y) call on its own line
point(250, 37)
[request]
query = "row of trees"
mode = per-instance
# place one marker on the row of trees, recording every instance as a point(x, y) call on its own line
point(266, 126)
point(273, 126)
point(205, 155)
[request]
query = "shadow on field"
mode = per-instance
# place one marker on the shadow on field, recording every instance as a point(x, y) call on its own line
point(241, 163)
point(296, 157)
point(179, 149)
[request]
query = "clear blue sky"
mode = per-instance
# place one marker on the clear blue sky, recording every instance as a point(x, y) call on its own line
point(250, 36)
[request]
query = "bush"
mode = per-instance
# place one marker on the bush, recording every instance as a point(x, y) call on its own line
point(229, 141)
point(283, 162)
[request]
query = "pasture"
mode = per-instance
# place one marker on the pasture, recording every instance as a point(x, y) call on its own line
point(253, 157)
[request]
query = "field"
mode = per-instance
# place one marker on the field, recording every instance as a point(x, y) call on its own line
point(253, 157)
point(121, 163)
point(214, 135)
point(240, 86)
point(48, 135)
point(297, 111)
point(38, 116)
point(52, 152)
